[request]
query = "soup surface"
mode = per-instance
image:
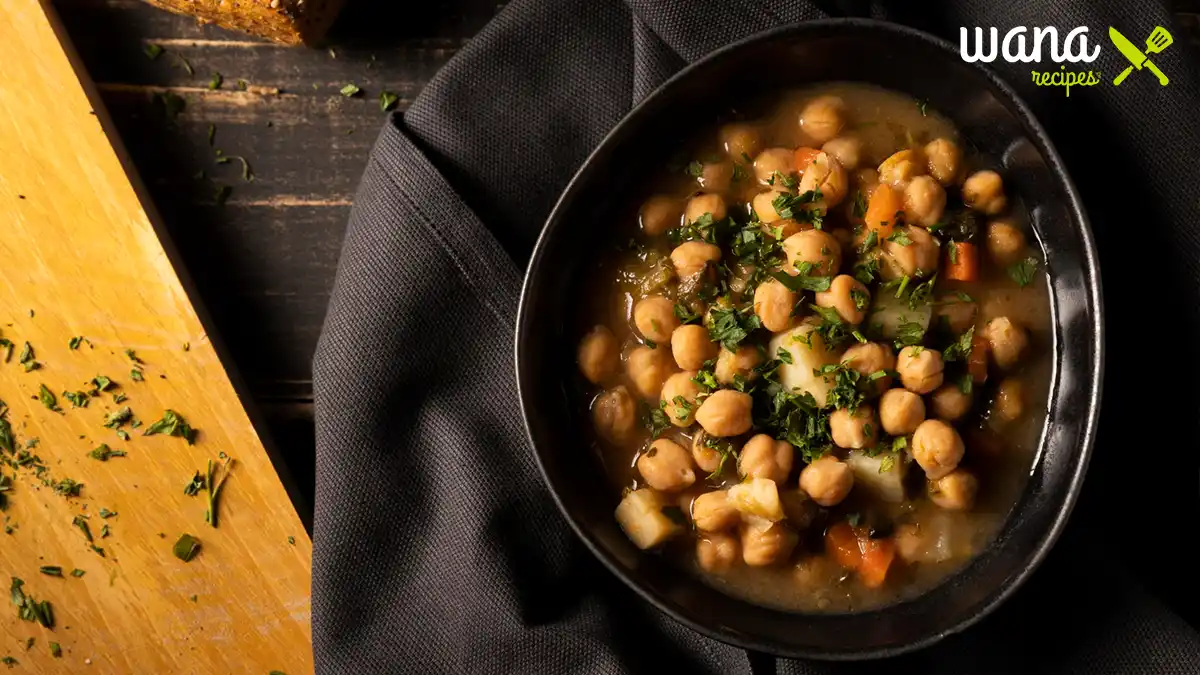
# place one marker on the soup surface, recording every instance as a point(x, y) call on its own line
point(817, 357)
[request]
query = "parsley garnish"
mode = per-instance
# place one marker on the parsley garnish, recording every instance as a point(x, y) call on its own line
point(731, 326)
point(77, 573)
point(103, 453)
point(350, 90)
point(387, 100)
point(871, 241)
point(26, 358)
point(705, 377)
point(952, 252)
point(694, 169)
point(51, 570)
point(860, 205)
point(845, 392)
point(213, 488)
point(802, 282)
point(78, 399)
point(81, 523)
point(833, 330)
point(791, 206)
point(656, 419)
point(923, 106)
point(966, 383)
point(866, 271)
point(152, 51)
point(172, 103)
point(74, 342)
point(854, 519)
point(784, 355)
point(787, 181)
point(28, 608)
point(55, 650)
point(685, 314)
point(1023, 271)
point(48, 399)
point(860, 298)
point(186, 548)
point(960, 350)
point(172, 424)
point(115, 419)
point(900, 237)
point(909, 333)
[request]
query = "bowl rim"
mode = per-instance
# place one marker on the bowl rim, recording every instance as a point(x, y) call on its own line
point(1089, 263)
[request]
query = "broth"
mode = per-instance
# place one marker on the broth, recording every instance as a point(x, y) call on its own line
point(923, 541)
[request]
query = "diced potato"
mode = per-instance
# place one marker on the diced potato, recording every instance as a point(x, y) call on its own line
point(935, 539)
point(640, 515)
point(757, 497)
point(881, 475)
point(799, 376)
point(889, 313)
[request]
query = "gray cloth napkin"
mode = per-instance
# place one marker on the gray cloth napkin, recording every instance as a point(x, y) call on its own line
point(437, 548)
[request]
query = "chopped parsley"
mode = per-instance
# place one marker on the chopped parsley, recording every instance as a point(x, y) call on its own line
point(48, 399)
point(78, 399)
point(785, 356)
point(51, 570)
point(350, 90)
point(136, 375)
point(68, 487)
point(866, 271)
point(213, 488)
point(388, 100)
point(845, 392)
point(115, 419)
point(28, 608)
point(960, 349)
point(685, 314)
point(77, 573)
point(787, 181)
point(26, 358)
point(1022, 272)
point(103, 453)
point(966, 383)
point(186, 548)
point(909, 333)
point(792, 206)
point(860, 205)
point(860, 298)
point(654, 419)
point(55, 650)
point(694, 169)
point(214, 83)
point(172, 424)
point(731, 326)
point(100, 383)
point(706, 378)
point(900, 237)
point(74, 342)
point(152, 51)
point(923, 106)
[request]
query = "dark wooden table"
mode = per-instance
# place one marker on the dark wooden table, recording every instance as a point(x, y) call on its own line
point(264, 261)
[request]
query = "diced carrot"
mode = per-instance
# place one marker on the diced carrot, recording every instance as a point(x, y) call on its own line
point(881, 210)
point(962, 261)
point(877, 556)
point(804, 157)
point(978, 361)
point(841, 543)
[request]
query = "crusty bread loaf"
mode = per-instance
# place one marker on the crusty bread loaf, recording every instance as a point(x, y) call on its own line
point(288, 21)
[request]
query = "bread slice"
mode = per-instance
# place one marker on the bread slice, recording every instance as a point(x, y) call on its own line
point(290, 22)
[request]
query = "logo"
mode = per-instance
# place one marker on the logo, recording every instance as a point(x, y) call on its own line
point(1022, 45)
point(1159, 40)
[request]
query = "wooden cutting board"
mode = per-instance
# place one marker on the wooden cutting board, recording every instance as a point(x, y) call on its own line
point(80, 255)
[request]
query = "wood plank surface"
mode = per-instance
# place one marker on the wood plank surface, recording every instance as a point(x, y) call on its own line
point(83, 258)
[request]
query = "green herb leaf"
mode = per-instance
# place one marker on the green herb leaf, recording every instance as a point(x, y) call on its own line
point(26, 354)
point(909, 333)
point(792, 206)
point(122, 434)
point(152, 51)
point(48, 399)
point(172, 424)
point(7, 441)
point(68, 487)
point(103, 453)
point(350, 90)
point(78, 399)
point(960, 349)
point(731, 326)
point(966, 383)
point(1024, 271)
point(115, 419)
point(181, 62)
point(186, 548)
point(172, 103)
point(387, 100)
point(656, 420)
point(101, 383)
point(860, 206)
point(802, 282)
point(77, 573)
point(55, 650)
point(784, 355)
point(136, 375)
point(694, 169)
point(74, 342)
point(923, 106)
point(51, 570)
point(900, 237)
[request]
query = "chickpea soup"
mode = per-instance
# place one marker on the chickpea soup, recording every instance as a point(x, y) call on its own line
point(817, 364)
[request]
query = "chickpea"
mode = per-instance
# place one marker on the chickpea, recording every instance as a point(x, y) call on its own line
point(725, 413)
point(949, 403)
point(666, 466)
point(900, 168)
point(869, 359)
point(717, 553)
point(716, 176)
point(708, 459)
point(766, 543)
point(742, 363)
point(764, 206)
point(681, 386)
point(901, 411)
point(693, 257)
point(924, 201)
point(765, 457)
point(918, 258)
point(854, 430)
point(691, 347)
point(848, 296)
point(599, 355)
point(655, 318)
point(1007, 341)
point(740, 141)
point(823, 118)
point(711, 512)
point(1010, 401)
point(847, 150)
point(867, 180)
point(955, 491)
point(828, 176)
point(984, 192)
point(772, 161)
point(659, 214)
point(920, 369)
point(943, 159)
point(955, 313)
point(614, 414)
point(649, 367)
point(827, 480)
point(705, 203)
point(1005, 243)
point(937, 448)
point(816, 247)
point(773, 303)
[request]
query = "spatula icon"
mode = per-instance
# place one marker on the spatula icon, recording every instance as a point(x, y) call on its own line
point(1159, 40)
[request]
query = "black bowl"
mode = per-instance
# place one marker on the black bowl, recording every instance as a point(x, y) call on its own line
point(991, 117)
